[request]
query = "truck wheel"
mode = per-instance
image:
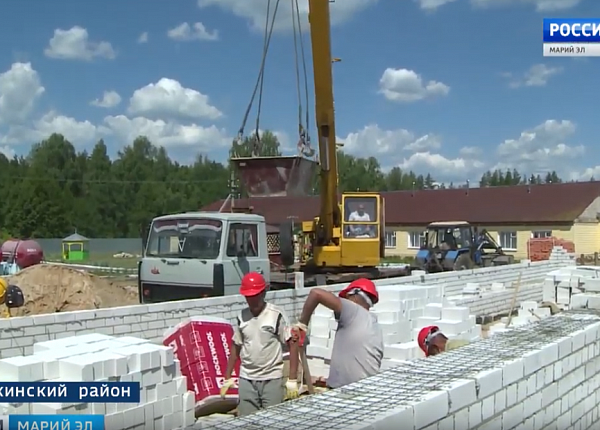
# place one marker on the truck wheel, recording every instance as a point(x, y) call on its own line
point(286, 244)
point(463, 262)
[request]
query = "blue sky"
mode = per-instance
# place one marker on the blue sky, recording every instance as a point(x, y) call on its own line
point(451, 87)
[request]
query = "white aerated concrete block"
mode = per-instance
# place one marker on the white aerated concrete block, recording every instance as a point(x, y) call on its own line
point(433, 310)
point(21, 369)
point(165, 401)
point(455, 313)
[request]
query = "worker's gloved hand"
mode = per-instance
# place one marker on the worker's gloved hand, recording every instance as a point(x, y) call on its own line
point(291, 389)
point(226, 386)
point(299, 333)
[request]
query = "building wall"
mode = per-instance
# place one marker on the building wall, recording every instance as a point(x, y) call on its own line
point(586, 237)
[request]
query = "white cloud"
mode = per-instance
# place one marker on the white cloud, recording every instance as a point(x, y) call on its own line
point(78, 132)
point(386, 145)
point(537, 75)
point(185, 33)
point(541, 149)
point(168, 134)
point(7, 151)
point(470, 151)
point(540, 5)
point(109, 99)
point(75, 44)
point(402, 85)
point(403, 148)
point(143, 38)
point(433, 4)
point(255, 11)
point(444, 169)
point(20, 89)
point(168, 99)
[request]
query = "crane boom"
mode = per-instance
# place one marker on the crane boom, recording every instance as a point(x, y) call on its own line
point(320, 34)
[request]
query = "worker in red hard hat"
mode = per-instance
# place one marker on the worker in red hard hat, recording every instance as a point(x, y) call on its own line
point(358, 346)
point(432, 341)
point(258, 338)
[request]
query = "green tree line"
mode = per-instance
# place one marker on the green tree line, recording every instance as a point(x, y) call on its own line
point(55, 189)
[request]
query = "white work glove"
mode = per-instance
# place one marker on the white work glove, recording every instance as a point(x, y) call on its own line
point(300, 326)
point(299, 333)
point(291, 389)
point(226, 386)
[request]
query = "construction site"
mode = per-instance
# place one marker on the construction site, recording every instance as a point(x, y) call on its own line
point(530, 327)
point(534, 365)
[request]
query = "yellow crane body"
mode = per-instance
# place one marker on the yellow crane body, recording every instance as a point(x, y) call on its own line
point(348, 233)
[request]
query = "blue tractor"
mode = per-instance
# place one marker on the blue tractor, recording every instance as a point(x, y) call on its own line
point(457, 245)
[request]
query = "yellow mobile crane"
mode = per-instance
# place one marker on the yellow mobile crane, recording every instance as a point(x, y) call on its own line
point(347, 238)
point(348, 234)
point(203, 254)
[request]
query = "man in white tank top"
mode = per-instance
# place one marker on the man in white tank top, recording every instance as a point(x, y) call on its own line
point(259, 334)
point(358, 345)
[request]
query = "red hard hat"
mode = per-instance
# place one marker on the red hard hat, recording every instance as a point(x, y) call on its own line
point(363, 284)
point(252, 284)
point(425, 335)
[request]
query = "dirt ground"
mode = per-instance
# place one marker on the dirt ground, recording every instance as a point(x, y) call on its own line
point(48, 288)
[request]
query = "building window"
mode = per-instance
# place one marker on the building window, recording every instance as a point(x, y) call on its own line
point(390, 239)
point(541, 234)
point(416, 239)
point(508, 240)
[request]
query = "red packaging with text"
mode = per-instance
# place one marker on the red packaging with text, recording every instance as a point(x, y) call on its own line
point(202, 347)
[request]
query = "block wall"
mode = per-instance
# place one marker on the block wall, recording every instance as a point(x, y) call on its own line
point(17, 335)
point(541, 376)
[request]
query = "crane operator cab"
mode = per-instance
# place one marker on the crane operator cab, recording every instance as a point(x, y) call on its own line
point(201, 254)
point(361, 219)
point(362, 226)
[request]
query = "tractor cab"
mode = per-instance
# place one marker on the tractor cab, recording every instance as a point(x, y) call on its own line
point(458, 245)
point(449, 236)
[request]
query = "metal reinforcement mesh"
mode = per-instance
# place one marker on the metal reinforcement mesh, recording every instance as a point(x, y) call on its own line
point(357, 405)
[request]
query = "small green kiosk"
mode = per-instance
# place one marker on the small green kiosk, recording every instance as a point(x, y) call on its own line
point(75, 248)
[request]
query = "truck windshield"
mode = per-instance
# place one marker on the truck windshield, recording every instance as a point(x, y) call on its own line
point(185, 238)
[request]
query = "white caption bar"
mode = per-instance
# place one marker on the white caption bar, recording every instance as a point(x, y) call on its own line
point(571, 49)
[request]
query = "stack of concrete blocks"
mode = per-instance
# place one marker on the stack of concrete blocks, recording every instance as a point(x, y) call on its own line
point(322, 332)
point(573, 286)
point(165, 402)
point(402, 311)
point(560, 254)
point(454, 321)
point(528, 312)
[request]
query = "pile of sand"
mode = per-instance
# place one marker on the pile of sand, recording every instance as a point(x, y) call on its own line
point(48, 289)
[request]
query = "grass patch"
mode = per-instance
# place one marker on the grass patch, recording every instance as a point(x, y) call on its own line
point(398, 259)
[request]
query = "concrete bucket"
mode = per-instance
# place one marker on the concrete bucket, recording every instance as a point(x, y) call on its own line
point(276, 176)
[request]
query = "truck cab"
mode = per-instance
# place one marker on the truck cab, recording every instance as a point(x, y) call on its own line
point(201, 254)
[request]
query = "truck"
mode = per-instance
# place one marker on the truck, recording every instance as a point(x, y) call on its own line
point(205, 254)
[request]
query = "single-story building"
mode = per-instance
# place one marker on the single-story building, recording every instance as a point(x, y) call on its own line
point(512, 214)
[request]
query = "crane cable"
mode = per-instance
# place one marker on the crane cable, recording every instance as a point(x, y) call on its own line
point(304, 146)
point(269, 25)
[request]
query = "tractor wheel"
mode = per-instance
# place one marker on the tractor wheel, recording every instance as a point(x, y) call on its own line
point(286, 244)
point(463, 262)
